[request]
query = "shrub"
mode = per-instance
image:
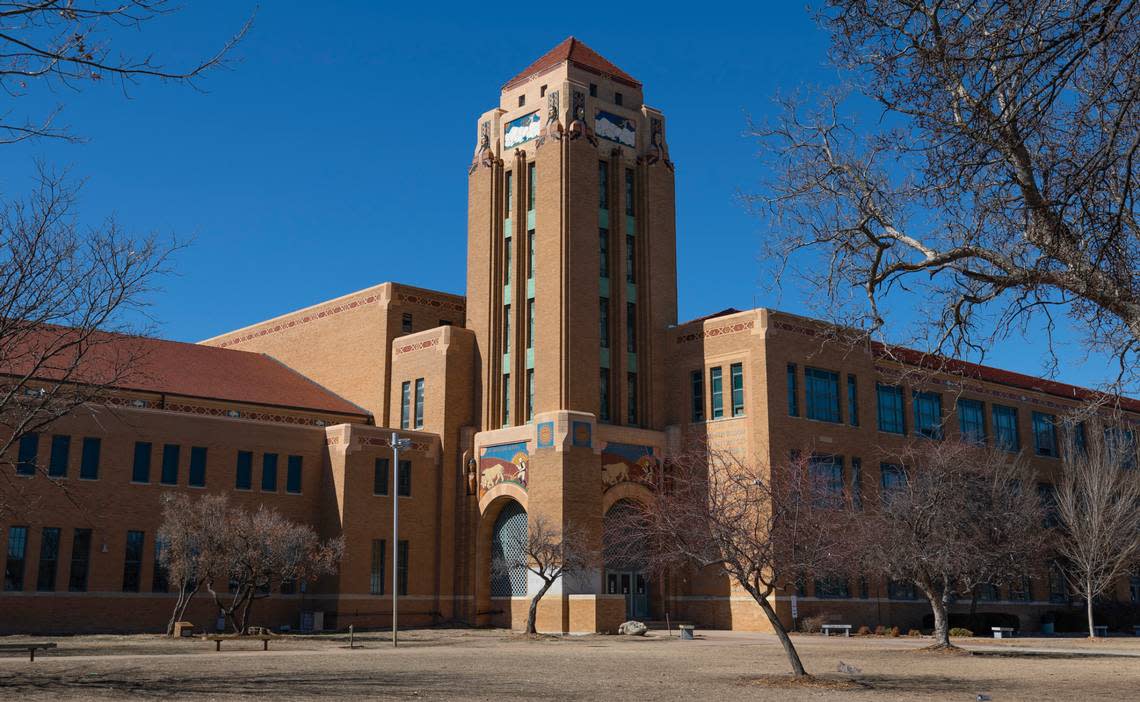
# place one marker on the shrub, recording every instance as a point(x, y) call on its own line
point(895, 631)
point(811, 625)
point(880, 631)
point(914, 632)
point(864, 630)
point(959, 631)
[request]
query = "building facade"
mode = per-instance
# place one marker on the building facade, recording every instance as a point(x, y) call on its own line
point(557, 386)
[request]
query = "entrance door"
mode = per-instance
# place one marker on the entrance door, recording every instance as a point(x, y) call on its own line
point(633, 585)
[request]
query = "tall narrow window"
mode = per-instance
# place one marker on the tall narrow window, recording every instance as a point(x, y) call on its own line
point(852, 401)
point(972, 420)
point(530, 323)
point(27, 454)
point(419, 403)
point(697, 395)
point(507, 263)
point(406, 322)
point(821, 389)
point(380, 476)
point(80, 561)
point(243, 479)
point(508, 194)
point(376, 576)
point(530, 186)
point(89, 461)
point(406, 399)
point(716, 388)
point(530, 253)
point(826, 473)
point(404, 486)
point(892, 417)
point(293, 475)
point(1045, 434)
point(402, 572)
point(857, 482)
point(603, 186)
point(506, 399)
point(17, 555)
point(60, 448)
point(629, 191)
point(892, 477)
point(1004, 421)
point(529, 394)
point(49, 559)
point(604, 322)
point(506, 330)
point(604, 395)
point(927, 414)
point(631, 327)
point(631, 390)
point(736, 373)
point(603, 252)
point(140, 473)
point(630, 260)
point(132, 561)
point(269, 472)
point(197, 477)
point(170, 455)
point(159, 581)
point(793, 392)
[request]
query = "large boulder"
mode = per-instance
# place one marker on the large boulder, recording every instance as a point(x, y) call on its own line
point(632, 628)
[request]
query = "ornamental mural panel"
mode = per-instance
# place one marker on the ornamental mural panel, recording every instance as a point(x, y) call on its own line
point(628, 463)
point(615, 128)
point(504, 463)
point(546, 434)
point(521, 130)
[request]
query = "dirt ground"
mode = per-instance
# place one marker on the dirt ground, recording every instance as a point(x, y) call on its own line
point(457, 664)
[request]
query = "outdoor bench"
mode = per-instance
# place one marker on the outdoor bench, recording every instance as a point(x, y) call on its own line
point(29, 647)
point(264, 638)
point(1002, 632)
point(828, 628)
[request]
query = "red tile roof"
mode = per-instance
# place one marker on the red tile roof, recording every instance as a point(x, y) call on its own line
point(176, 368)
point(577, 53)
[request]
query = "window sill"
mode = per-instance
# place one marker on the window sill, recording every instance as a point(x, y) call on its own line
point(140, 482)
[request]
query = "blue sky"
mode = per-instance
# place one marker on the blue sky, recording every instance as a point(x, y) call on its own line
point(333, 154)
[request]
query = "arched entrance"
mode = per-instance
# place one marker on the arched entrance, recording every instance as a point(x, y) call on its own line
point(626, 558)
point(508, 537)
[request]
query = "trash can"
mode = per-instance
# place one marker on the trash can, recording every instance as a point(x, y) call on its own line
point(1101, 631)
point(686, 631)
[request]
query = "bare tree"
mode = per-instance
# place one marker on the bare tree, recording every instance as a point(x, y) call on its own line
point(997, 183)
point(954, 517)
point(550, 553)
point(191, 546)
point(1098, 507)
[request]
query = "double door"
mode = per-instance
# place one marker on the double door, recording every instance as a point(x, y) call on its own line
point(633, 586)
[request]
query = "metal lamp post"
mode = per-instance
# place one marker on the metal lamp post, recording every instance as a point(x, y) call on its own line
point(397, 444)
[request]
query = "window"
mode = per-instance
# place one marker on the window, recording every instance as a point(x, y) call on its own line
point(901, 590)
point(604, 395)
point(244, 474)
point(716, 387)
point(697, 386)
point(857, 483)
point(197, 476)
point(542, 91)
point(506, 399)
point(1047, 494)
point(927, 414)
point(406, 322)
point(522, 100)
point(832, 587)
point(603, 252)
point(1058, 584)
point(629, 191)
point(49, 559)
point(617, 98)
point(26, 458)
point(852, 401)
point(604, 322)
point(530, 186)
point(530, 323)
point(159, 580)
point(507, 261)
point(380, 476)
point(821, 388)
point(170, 455)
point(1120, 445)
point(826, 473)
point(132, 561)
point(508, 193)
point(987, 592)
point(1005, 428)
point(529, 394)
point(736, 374)
point(406, 391)
point(506, 335)
point(405, 479)
point(1045, 434)
point(603, 186)
point(80, 561)
point(972, 420)
point(891, 414)
point(593, 90)
point(14, 565)
point(402, 571)
point(631, 389)
point(530, 255)
point(141, 471)
point(631, 327)
point(893, 478)
point(89, 462)
point(630, 260)
point(376, 576)
point(269, 472)
point(419, 403)
point(1080, 438)
point(793, 404)
point(1021, 589)
point(57, 463)
point(293, 475)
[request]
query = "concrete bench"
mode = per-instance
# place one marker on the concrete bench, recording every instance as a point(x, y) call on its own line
point(1002, 632)
point(828, 628)
point(31, 648)
point(263, 638)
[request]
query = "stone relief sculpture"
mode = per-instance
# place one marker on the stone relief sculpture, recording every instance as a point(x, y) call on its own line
point(578, 125)
point(553, 128)
point(658, 151)
point(484, 155)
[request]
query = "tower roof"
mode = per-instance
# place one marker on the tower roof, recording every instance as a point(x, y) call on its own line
point(574, 51)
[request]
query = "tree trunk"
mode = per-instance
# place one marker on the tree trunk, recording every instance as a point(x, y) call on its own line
point(1089, 608)
point(782, 634)
point(941, 622)
point(180, 606)
point(533, 613)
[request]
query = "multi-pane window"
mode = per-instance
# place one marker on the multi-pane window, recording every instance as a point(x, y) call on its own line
point(1047, 495)
point(631, 327)
point(603, 252)
point(17, 555)
point(530, 323)
point(629, 191)
point(57, 462)
point(506, 399)
point(604, 322)
point(821, 389)
point(852, 401)
point(1021, 589)
point(531, 182)
point(140, 473)
point(603, 186)
point(736, 377)
point(376, 574)
point(630, 260)
point(197, 477)
point(269, 472)
point(380, 476)
point(159, 579)
point(1005, 427)
point(80, 561)
point(832, 587)
point(405, 479)
point(892, 479)
point(530, 254)
point(49, 559)
point(972, 420)
point(243, 477)
point(132, 561)
point(1080, 438)
point(1058, 583)
point(89, 460)
point(406, 322)
point(509, 193)
point(697, 393)
point(1121, 446)
point(27, 454)
point(170, 456)
point(826, 474)
point(1045, 434)
point(892, 417)
point(293, 475)
point(901, 590)
point(402, 571)
point(406, 390)
point(604, 394)
point(529, 394)
point(857, 482)
point(507, 261)
point(793, 401)
point(506, 335)
point(987, 592)
point(716, 388)
point(419, 403)
point(927, 414)
point(631, 390)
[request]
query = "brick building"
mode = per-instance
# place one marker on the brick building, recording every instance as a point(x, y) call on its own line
point(556, 386)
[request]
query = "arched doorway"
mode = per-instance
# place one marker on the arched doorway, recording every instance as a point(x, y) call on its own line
point(508, 537)
point(626, 557)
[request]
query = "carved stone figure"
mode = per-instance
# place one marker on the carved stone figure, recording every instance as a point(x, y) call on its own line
point(578, 125)
point(485, 156)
